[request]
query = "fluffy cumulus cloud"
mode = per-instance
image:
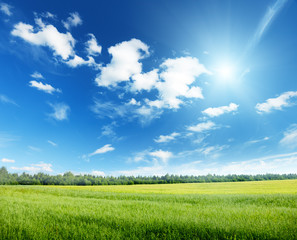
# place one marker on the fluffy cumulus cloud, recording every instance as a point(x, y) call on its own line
point(61, 111)
point(62, 44)
point(177, 76)
point(124, 63)
point(164, 156)
point(278, 103)
point(72, 21)
point(106, 148)
point(6, 9)
point(77, 61)
point(167, 138)
point(215, 112)
point(134, 102)
point(43, 87)
point(144, 81)
point(6, 160)
point(46, 35)
point(35, 168)
point(173, 81)
point(202, 127)
point(92, 46)
point(290, 137)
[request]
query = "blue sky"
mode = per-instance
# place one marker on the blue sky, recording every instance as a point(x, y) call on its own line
point(148, 87)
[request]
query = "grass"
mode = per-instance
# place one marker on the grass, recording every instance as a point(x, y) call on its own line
point(246, 210)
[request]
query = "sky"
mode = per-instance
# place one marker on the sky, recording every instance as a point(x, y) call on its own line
point(135, 87)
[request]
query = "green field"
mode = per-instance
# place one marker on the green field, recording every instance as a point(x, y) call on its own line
point(241, 210)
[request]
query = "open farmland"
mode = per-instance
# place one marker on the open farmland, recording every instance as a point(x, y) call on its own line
point(241, 210)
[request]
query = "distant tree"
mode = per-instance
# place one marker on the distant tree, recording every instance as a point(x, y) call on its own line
point(69, 178)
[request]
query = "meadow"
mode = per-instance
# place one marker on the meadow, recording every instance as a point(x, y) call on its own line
point(239, 210)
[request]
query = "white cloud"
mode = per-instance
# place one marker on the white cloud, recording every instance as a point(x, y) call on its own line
point(140, 157)
point(258, 140)
point(144, 81)
point(290, 137)
point(144, 111)
point(46, 35)
point(37, 75)
point(207, 150)
point(78, 61)
point(212, 151)
point(215, 112)
point(52, 143)
point(72, 21)
point(124, 63)
point(254, 166)
point(279, 164)
point(109, 109)
point(284, 100)
point(92, 46)
point(61, 111)
point(143, 171)
point(97, 173)
point(177, 75)
point(265, 22)
point(172, 85)
point(35, 168)
point(6, 139)
point(106, 148)
point(6, 160)
point(5, 99)
point(108, 130)
point(164, 156)
point(202, 127)
point(244, 73)
point(156, 103)
point(158, 157)
point(35, 149)
point(44, 87)
point(48, 15)
point(133, 102)
point(6, 9)
point(145, 114)
point(282, 163)
point(166, 138)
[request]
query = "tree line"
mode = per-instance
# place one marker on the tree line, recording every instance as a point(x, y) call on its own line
point(69, 178)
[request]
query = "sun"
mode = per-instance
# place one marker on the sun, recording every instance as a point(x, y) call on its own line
point(225, 72)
